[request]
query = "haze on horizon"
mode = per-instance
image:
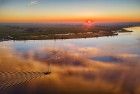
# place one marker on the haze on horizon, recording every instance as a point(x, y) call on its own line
point(69, 10)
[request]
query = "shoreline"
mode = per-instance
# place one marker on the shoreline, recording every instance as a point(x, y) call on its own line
point(32, 33)
point(59, 38)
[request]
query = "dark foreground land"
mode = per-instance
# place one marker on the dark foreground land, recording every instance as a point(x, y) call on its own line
point(23, 32)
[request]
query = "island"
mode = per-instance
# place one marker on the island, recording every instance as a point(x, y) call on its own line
point(63, 31)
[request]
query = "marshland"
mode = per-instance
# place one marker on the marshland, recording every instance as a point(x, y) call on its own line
point(60, 31)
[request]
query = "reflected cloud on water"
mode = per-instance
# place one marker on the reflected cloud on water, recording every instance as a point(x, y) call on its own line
point(78, 66)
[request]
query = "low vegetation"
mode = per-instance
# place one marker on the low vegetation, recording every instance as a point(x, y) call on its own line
point(8, 32)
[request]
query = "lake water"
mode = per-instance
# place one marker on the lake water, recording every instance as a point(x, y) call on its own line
point(124, 43)
point(103, 65)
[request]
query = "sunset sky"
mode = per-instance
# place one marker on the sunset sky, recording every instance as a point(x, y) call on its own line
point(69, 10)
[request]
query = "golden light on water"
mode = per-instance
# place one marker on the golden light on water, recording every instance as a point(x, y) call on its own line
point(86, 44)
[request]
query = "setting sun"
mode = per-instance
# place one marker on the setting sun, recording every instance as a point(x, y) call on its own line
point(93, 46)
point(89, 21)
point(69, 10)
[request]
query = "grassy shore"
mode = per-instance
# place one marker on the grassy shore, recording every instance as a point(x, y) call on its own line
point(57, 32)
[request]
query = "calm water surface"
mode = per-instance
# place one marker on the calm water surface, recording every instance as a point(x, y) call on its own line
point(105, 65)
point(124, 43)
